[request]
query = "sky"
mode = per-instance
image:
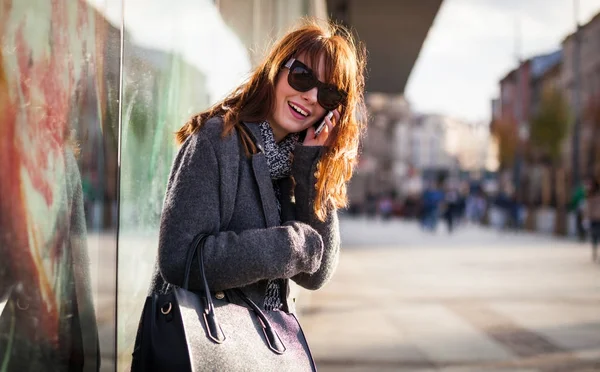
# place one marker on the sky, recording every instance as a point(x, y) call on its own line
point(472, 44)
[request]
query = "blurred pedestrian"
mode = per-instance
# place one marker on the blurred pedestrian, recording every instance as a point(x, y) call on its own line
point(576, 206)
point(592, 214)
point(386, 207)
point(476, 205)
point(451, 208)
point(256, 182)
point(514, 212)
point(431, 201)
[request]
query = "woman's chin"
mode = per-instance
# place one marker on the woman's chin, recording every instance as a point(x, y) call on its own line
point(295, 127)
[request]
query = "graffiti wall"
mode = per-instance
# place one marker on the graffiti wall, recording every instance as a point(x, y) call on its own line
point(57, 136)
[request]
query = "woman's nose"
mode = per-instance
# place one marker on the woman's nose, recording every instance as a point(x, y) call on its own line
point(311, 95)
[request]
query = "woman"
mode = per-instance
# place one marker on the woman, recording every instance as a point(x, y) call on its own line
point(253, 174)
point(592, 214)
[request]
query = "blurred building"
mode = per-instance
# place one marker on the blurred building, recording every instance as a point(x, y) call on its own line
point(521, 91)
point(393, 33)
point(588, 37)
point(494, 151)
point(546, 74)
point(449, 145)
point(520, 98)
point(469, 143)
point(515, 96)
point(403, 150)
point(380, 160)
point(430, 142)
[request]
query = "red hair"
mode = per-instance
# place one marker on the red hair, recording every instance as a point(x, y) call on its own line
point(255, 99)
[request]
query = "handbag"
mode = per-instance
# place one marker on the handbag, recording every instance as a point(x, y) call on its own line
point(185, 330)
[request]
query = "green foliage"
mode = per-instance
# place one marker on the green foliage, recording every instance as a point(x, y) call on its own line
point(549, 126)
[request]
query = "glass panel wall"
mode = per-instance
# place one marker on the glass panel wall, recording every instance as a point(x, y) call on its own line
point(59, 89)
point(178, 58)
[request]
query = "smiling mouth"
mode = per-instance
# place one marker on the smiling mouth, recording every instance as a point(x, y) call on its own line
point(298, 109)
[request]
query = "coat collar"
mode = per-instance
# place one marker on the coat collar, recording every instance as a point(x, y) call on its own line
point(262, 176)
point(253, 130)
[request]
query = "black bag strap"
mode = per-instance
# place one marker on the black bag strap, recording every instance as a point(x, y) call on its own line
point(273, 340)
point(215, 332)
point(192, 251)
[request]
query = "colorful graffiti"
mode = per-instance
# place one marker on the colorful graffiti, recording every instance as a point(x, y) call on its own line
point(52, 56)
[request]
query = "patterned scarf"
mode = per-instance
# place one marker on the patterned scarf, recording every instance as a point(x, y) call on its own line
point(279, 155)
point(279, 160)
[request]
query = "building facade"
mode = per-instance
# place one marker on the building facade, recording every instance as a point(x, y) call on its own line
point(376, 173)
point(404, 151)
point(521, 92)
point(546, 75)
point(587, 100)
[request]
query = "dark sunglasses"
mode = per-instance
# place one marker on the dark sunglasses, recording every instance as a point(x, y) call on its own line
point(302, 79)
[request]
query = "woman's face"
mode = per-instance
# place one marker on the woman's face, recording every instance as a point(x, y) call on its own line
point(285, 118)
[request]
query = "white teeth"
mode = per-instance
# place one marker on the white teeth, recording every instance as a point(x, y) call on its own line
point(304, 113)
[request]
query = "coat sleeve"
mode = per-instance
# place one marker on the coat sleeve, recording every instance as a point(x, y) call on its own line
point(231, 259)
point(303, 171)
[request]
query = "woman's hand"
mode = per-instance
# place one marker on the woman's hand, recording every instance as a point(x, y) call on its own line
point(323, 137)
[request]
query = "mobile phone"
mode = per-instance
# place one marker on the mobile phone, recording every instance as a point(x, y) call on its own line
point(319, 128)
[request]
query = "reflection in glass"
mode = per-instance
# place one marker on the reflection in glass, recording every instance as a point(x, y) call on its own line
point(177, 58)
point(57, 166)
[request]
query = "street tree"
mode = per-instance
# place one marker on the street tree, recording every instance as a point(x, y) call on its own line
point(549, 125)
point(504, 131)
point(548, 129)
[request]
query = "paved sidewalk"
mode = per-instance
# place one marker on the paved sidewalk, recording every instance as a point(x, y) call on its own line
point(478, 300)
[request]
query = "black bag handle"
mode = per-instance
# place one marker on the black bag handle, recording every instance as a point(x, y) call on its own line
point(273, 340)
point(198, 239)
point(215, 332)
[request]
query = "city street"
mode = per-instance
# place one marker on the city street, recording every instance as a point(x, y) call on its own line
point(477, 300)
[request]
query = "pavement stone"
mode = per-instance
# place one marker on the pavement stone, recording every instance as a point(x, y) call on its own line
point(477, 300)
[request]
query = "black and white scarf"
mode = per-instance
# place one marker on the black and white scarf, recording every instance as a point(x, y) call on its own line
point(279, 155)
point(279, 160)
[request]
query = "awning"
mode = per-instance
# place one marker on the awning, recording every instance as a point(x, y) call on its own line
point(393, 31)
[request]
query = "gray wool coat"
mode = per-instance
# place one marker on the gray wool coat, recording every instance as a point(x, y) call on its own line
point(215, 189)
